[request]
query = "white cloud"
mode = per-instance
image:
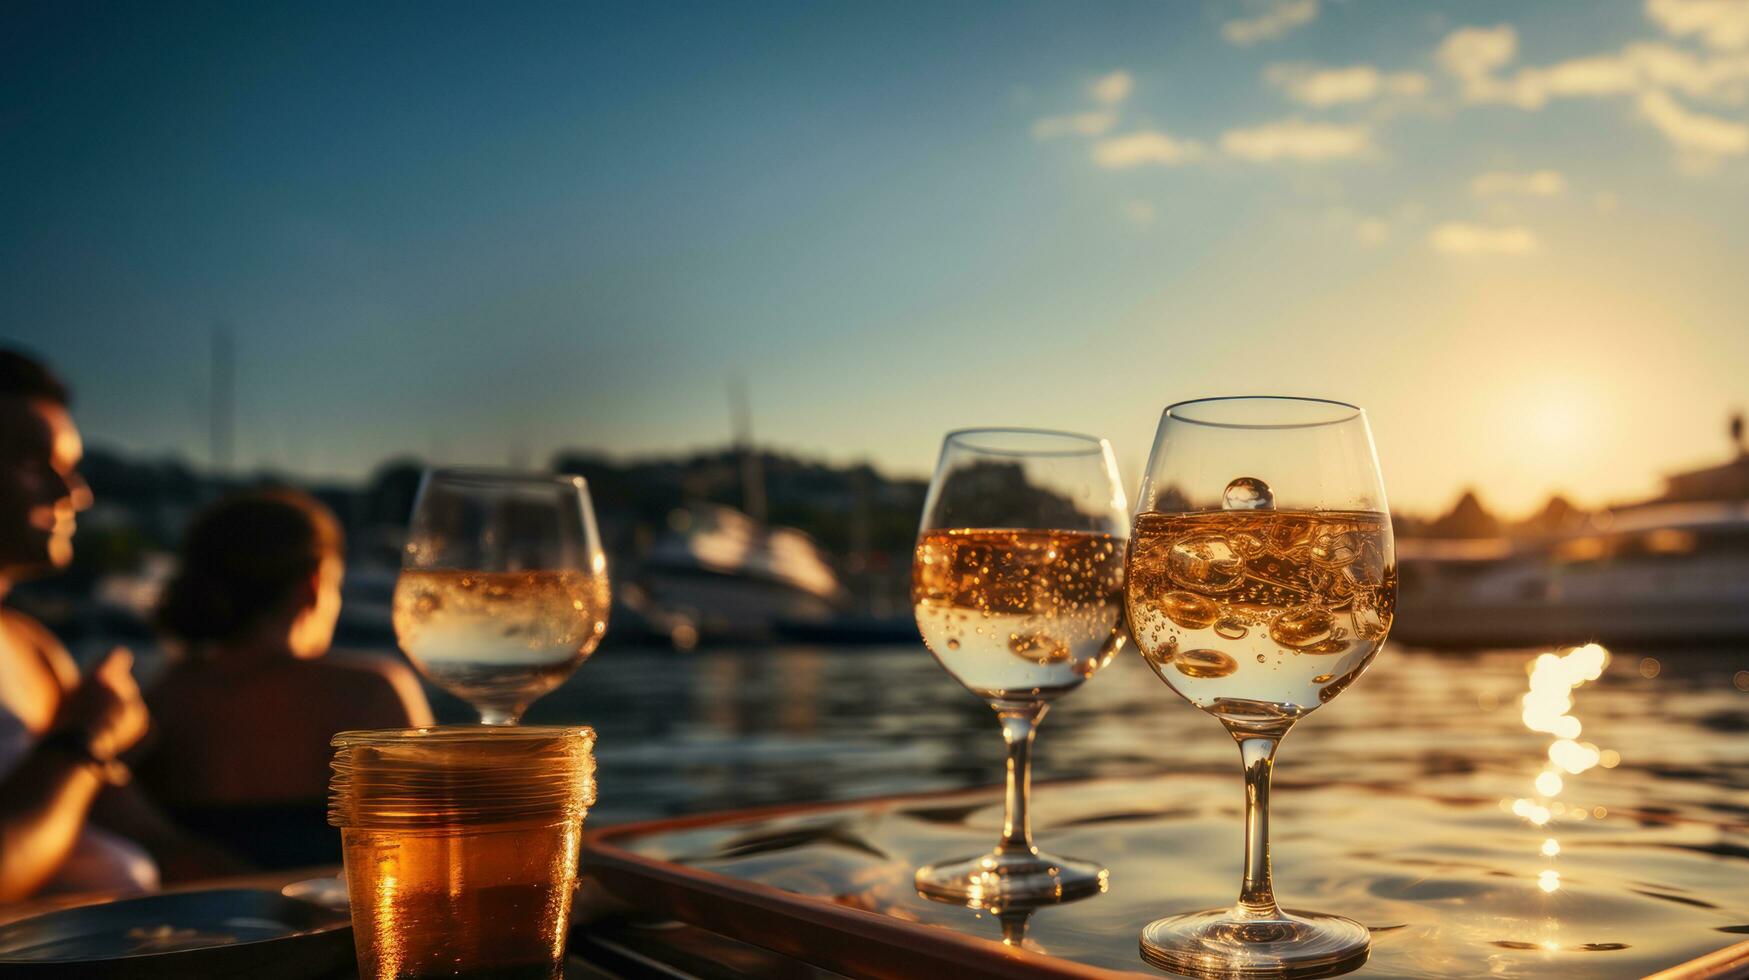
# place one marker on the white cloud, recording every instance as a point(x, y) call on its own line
point(1694, 132)
point(1538, 183)
point(1720, 77)
point(1138, 149)
point(1460, 238)
point(1297, 139)
point(1139, 212)
point(1406, 83)
point(1589, 76)
point(1370, 230)
point(1095, 123)
point(1321, 87)
point(1721, 24)
point(1108, 90)
point(1647, 71)
point(1473, 53)
point(1112, 88)
point(1276, 22)
point(1635, 69)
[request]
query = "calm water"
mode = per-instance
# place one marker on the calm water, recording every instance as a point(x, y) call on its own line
point(1394, 804)
point(683, 732)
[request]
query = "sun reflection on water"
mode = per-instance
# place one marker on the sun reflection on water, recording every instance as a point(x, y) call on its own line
point(1549, 783)
point(1548, 706)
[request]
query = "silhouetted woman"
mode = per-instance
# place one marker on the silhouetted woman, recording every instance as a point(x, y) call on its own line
point(245, 714)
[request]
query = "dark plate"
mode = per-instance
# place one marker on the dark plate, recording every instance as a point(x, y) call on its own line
point(220, 933)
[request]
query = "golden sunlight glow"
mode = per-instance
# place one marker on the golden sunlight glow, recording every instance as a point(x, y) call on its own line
point(386, 898)
point(1574, 757)
point(1557, 420)
point(1551, 420)
point(1532, 811)
point(1580, 549)
point(1670, 541)
point(1548, 708)
point(1552, 432)
point(1552, 680)
point(1549, 783)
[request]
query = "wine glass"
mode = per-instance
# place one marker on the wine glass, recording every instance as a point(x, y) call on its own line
point(1262, 581)
point(1017, 585)
point(503, 589)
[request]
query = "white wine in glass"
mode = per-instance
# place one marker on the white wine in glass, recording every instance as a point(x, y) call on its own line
point(1019, 616)
point(1261, 583)
point(503, 589)
point(1017, 586)
point(1253, 615)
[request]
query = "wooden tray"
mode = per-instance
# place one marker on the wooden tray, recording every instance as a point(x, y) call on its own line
point(815, 930)
point(859, 943)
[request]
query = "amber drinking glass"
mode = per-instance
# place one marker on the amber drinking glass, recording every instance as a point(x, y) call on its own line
point(1261, 583)
point(1017, 585)
point(460, 847)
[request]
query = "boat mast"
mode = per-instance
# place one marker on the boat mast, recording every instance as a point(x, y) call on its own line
point(752, 472)
point(221, 407)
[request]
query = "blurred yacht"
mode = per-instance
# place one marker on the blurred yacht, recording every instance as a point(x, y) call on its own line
point(1669, 574)
point(736, 578)
point(1669, 571)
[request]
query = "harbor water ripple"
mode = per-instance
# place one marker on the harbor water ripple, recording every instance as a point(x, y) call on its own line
point(1475, 831)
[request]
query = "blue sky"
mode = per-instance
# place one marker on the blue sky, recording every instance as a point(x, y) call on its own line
point(1514, 232)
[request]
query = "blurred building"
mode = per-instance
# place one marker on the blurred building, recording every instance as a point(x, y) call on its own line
point(1726, 481)
point(1671, 569)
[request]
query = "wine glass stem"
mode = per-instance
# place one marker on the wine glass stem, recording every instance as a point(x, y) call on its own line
point(500, 716)
point(1257, 897)
point(1018, 728)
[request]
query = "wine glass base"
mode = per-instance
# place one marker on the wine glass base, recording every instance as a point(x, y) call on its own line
point(1218, 944)
point(1005, 879)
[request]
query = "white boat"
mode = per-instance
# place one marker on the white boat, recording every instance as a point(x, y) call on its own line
point(1661, 573)
point(734, 577)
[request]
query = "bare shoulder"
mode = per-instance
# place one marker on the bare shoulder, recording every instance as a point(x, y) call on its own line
point(357, 662)
point(25, 634)
point(384, 680)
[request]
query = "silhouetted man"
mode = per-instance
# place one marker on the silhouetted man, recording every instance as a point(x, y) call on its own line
point(60, 734)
